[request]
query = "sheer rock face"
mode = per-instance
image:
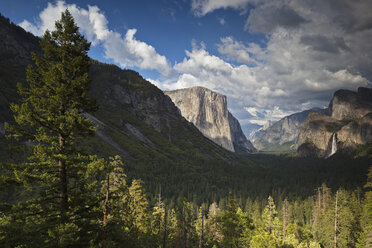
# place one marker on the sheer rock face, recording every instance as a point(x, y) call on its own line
point(240, 142)
point(207, 110)
point(349, 104)
point(283, 134)
point(349, 116)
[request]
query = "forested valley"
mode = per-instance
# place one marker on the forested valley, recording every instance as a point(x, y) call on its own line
point(57, 191)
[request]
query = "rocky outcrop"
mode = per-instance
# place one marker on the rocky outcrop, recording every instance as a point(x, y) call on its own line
point(240, 142)
point(349, 104)
point(348, 120)
point(207, 110)
point(283, 134)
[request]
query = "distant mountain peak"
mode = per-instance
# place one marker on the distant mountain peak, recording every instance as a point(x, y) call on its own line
point(283, 134)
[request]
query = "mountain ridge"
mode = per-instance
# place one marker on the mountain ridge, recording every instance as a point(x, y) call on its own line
point(282, 136)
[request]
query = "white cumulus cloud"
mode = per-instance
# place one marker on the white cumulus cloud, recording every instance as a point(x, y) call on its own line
point(203, 7)
point(252, 111)
point(234, 50)
point(126, 51)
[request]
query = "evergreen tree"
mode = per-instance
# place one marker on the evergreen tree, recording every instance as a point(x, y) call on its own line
point(171, 227)
point(61, 206)
point(138, 217)
point(159, 223)
point(185, 235)
point(256, 212)
point(200, 226)
point(269, 233)
point(365, 239)
point(323, 217)
point(285, 217)
point(270, 219)
point(213, 236)
point(116, 192)
point(246, 228)
point(230, 224)
point(348, 216)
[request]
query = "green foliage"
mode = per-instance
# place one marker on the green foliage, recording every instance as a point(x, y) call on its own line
point(184, 233)
point(233, 225)
point(268, 234)
point(107, 207)
point(365, 238)
point(58, 206)
point(364, 150)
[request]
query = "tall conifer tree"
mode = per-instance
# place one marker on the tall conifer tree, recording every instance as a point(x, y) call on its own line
point(58, 175)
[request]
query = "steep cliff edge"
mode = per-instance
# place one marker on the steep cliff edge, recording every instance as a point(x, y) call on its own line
point(207, 110)
point(349, 104)
point(283, 135)
point(346, 126)
point(240, 141)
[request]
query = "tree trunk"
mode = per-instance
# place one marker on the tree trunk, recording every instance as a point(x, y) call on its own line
point(63, 179)
point(319, 200)
point(165, 228)
point(285, 216)
point(335, 236)
point(201, 241)
point(105, 211)
point(184, 228)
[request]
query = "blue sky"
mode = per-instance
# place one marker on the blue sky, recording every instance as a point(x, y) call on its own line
point(270, 58)
point(169, 26)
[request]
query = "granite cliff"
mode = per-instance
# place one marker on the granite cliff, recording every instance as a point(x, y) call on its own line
point(345, 126)
point(283, 135)
point(207, 110)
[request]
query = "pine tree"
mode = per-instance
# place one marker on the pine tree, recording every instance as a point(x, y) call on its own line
point(185, 235)
point(348, 216)
point(365, 239)
point(269, 233)
point(200, 226)
point(60, 205)
point(270, 219)
point(323, 217)
point(159, 223)
point(116, 193)
point(138, 215)
point(228, 224)
point(212, 233)
point(285, 217)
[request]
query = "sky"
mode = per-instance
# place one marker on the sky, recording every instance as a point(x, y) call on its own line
point(271, 58)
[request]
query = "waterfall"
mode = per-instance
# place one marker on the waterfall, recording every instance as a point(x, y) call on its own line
point(334, 145)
